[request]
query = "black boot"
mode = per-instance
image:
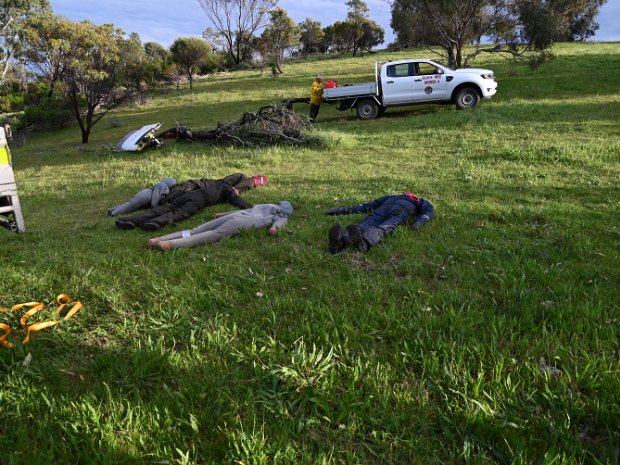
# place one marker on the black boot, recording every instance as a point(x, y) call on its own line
point(125, 224)
point(336, 242)
point(150, 226)
point(357, 240)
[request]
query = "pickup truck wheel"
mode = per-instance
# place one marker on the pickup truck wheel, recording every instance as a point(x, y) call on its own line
point(467, 97)
point(367, 109)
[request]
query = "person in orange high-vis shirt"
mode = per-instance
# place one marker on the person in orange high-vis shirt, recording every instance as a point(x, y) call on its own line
point(316, 97)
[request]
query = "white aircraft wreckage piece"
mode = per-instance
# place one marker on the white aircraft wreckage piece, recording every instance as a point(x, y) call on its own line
point(138, 139)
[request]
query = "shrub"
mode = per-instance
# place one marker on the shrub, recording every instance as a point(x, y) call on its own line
point(49, 113)
point(11, 102)
point(212, 64)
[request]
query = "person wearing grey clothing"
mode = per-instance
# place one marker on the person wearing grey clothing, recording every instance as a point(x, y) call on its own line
point(148, 197)
point(228, 224)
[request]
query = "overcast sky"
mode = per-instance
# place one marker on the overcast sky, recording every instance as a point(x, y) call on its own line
point(163, 21)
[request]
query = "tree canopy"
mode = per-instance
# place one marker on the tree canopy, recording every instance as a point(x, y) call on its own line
point(356, 34)
point(81, 61)
point(132, 68)
point(189, 54)
point(494, 26)
point(311, 36)
point(13, 14)
point(356, 18)
point(280, 35)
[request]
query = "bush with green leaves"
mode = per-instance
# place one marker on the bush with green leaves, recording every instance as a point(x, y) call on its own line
point(48, 113)
point(11, 102)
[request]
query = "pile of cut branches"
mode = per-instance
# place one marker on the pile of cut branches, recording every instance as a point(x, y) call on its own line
point(271, 125)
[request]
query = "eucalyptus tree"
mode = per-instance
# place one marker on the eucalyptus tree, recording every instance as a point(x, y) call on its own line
point(189, 54)
point(280, 35)
point(515, 27)
point(311, 36)
point(81, 61)
point(13, 15)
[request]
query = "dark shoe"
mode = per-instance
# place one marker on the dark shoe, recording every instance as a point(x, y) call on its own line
point(150, 226)
point(125, 224)
point(357, 241)
point(336, 242)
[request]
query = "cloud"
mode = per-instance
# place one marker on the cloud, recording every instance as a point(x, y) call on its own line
point(160, 21)
point(155, 21)
point(163, 21)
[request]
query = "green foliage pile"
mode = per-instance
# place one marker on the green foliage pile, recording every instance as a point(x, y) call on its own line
point(488, 337)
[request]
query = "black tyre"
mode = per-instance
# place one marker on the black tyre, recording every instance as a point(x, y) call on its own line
point(367, 109)
point(467, 97)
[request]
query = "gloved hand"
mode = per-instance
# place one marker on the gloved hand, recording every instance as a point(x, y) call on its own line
point(335, 211)
point(419, 222)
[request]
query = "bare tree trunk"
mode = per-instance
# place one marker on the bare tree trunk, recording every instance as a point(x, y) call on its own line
point(6, 67)
point(85, 135)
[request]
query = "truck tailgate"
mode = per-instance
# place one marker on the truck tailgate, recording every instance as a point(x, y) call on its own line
point(354, 90)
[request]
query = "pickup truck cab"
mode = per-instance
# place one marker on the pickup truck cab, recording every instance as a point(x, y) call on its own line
point(410, 82)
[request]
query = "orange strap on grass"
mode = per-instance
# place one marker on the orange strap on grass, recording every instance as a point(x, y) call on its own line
point(7, 331)
point(35, 308)
point(63, 300)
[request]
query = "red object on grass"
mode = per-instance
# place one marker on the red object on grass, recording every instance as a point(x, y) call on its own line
point(260, 180)
point(330, 84)
point(412, 196)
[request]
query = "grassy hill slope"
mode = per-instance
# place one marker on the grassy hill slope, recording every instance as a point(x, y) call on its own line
point(490, 336)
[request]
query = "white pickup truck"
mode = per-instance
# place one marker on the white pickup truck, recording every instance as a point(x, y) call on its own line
point(410, 82)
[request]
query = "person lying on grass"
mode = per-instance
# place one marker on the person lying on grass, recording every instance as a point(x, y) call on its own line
point(149, 197)
point(167, 189)
point(275, 217)
point(387, 213)
point(184, 206)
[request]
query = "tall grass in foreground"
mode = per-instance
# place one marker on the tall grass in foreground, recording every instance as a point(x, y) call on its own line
point(490, 336)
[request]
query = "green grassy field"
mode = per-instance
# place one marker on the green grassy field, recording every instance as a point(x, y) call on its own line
point(488, 337)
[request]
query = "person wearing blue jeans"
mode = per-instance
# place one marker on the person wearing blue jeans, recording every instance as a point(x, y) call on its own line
point(386, 213)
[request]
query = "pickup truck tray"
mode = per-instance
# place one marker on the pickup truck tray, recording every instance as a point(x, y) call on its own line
point(354, 90)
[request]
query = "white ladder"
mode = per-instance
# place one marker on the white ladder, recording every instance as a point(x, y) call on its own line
point(10, 209)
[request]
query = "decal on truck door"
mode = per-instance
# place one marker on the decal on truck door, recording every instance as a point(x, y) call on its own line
point(436, 79)
point(431, 86)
